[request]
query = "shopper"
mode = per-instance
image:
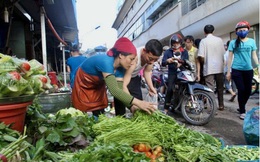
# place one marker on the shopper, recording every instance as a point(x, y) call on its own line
point(173, 62)
point(164, 70)
point(211, 51)
point(97, 72)
point(192, 50)
point(74, 62)
point(197, 43)
point(227, 82)
point(242, 51)
point(146, 56)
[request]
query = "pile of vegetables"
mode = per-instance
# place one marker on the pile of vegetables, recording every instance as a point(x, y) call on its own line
point(21, 77)
point(68, 129)
point(73, 136)
point(144, 134)
point(12, 144)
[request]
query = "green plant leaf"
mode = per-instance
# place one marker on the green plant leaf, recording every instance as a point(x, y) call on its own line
point(53, 137)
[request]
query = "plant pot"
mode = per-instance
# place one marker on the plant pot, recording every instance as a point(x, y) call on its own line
point(14, 114)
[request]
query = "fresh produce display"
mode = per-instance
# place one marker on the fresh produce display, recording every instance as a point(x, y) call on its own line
point(20, 77)
point(12, 144)
point(68, 129)
point(152, 153)
point(73, 136)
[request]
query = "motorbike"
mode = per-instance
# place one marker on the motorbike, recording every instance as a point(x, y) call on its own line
point(255, 85)
point(195, 101)
point(159, 76)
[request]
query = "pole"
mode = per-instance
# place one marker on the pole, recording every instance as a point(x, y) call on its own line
point(62, 47)
point(64, 67)
point(43, 33)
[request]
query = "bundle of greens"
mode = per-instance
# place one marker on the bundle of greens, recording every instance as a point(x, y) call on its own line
point(178, 142)
point(12, 143)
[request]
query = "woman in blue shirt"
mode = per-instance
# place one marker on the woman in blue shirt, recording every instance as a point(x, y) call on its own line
point(244, 50)
point(98, 72)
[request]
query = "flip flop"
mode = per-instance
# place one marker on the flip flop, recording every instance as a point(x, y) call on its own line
point(221, 108)
point(232, 98)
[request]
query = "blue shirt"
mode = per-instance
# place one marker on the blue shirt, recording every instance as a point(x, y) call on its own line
point(242, 54)
point(102, 63)
point(74, 63)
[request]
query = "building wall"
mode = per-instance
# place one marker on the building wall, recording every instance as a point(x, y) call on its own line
point(223, 14)
point(162, 28)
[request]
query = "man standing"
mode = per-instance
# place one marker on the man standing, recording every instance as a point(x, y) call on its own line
point(192, 51)
point(131, 82)
point(211, 52)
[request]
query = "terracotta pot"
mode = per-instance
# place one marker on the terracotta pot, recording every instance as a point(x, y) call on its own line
point(14, 114)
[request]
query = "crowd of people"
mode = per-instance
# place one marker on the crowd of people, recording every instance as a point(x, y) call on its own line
point(118, 70)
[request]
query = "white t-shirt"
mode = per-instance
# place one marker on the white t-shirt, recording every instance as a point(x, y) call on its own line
point(212, 50)
point(225, 61)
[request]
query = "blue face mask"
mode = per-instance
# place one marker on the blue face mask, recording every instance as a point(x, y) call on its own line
point(242, 34)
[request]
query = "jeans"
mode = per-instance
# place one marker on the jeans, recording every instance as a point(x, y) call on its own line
point(170, 88)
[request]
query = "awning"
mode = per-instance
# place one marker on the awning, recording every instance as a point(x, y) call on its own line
point(62, 14)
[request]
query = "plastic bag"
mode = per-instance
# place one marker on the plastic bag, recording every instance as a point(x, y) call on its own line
point(153, 99)
point(251, 127)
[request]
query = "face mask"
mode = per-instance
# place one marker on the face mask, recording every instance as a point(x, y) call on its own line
point(242, 34)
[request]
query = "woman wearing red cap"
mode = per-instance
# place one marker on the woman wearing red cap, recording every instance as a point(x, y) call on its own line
point(97, 72)
point(243, 49)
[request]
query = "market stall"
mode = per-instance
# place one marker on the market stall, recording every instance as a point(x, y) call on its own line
point(67, 134)
point(71, 135)
point(20, 82)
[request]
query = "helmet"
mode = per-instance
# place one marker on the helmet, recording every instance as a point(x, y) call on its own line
point(176, 38)
point(243, 24)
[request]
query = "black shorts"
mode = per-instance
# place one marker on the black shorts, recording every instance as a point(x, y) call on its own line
point(134, 87)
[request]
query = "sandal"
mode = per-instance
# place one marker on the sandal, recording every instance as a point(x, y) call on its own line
point(232, 98)
point(221, 108)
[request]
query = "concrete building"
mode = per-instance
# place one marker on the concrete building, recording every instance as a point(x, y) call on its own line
point(141, 20)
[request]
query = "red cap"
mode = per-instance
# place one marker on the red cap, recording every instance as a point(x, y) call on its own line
point(123, 44)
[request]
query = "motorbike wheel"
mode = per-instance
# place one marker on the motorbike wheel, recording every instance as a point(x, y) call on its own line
point(202, 110)
point(255, 86)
